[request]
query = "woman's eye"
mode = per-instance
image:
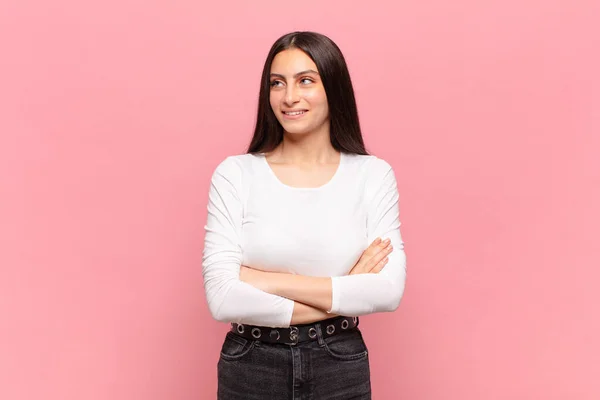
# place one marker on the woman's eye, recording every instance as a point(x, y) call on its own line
point(306, 81)
point(275, 83)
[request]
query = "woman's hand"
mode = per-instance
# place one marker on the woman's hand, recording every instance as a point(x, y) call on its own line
point(374, 258)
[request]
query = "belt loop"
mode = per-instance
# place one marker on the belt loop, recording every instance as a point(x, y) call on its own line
point(319, 335)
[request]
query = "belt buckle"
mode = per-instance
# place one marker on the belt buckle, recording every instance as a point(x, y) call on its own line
point(293, 336)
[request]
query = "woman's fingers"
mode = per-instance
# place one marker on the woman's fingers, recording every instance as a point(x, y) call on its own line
point(376, 246)
point(380, 265)
point(379, 257)
point(372, 256)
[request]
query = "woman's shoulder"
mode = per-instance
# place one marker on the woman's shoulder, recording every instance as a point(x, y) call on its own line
point(238, 168)
point(236, 163)
point(369, 164)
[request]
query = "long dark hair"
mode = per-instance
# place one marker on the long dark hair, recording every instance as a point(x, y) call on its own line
point(344, 128)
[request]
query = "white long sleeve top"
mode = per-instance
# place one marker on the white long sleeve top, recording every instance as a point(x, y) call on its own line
point(254, 219)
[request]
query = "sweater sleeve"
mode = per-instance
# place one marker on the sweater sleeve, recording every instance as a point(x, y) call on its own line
point(360, 294)
point(229, 298)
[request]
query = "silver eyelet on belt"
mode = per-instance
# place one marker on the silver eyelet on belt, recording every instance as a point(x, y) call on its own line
point(345, 324)
point(240, 328)
point(256, 333)
point(330, 329)
point(312, 333)
point(294, 334)
point(273, 333)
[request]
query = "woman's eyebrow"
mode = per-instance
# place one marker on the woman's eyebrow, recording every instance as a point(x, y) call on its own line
point(308, 71)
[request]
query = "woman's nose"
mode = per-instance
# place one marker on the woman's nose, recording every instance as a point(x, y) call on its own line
point(291, 95)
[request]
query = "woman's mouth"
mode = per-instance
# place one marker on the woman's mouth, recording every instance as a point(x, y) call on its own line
point(294, 114)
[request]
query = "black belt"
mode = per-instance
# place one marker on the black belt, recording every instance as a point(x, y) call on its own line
point(297, 333)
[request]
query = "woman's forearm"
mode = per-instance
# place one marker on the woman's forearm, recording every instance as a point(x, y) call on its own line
point(269, 281)
point(305, 314)
point(310, 290)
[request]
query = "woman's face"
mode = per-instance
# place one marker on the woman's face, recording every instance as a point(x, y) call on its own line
point(297, 95)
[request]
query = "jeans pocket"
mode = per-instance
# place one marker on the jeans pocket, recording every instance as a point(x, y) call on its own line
point(346, 346)
point(236, 347)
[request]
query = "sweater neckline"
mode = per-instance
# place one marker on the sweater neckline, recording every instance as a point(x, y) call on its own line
point(335, 176)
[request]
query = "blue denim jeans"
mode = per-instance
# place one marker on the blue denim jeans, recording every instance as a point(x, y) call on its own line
point(332, 368)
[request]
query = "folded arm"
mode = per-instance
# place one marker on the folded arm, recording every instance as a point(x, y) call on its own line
point(296, 299)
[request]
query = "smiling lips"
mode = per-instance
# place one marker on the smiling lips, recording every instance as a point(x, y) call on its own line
point(294, 114)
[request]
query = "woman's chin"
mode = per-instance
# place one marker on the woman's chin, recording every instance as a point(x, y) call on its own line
point(295, 130)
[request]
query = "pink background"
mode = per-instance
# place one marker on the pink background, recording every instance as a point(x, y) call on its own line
point(113, 115)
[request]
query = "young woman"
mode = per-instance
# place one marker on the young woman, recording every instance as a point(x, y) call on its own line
point(302, 236)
